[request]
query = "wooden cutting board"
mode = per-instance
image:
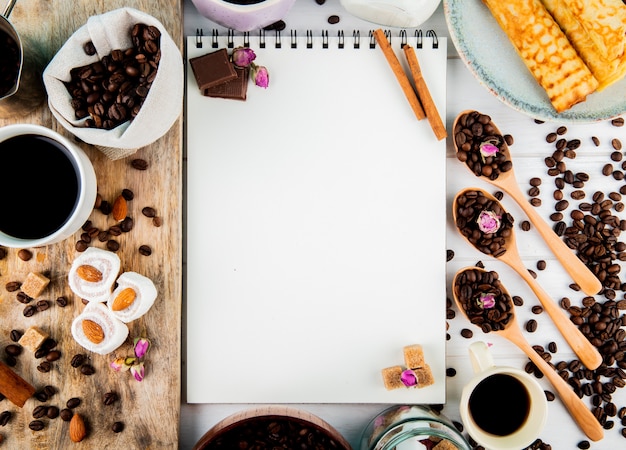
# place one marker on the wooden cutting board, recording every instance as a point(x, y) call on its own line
point(149, 409)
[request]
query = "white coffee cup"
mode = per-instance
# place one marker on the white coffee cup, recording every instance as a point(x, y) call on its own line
point(502, 408)
point(64, 185)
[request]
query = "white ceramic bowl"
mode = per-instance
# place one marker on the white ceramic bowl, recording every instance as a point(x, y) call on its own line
point(393, 13)
point(244, 17)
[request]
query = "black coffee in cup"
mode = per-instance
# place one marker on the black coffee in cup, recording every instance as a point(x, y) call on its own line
point(9, 62)
point(39, 186)
point(500, 404)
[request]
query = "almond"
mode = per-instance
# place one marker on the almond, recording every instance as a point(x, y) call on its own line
point(93, 331)
point(78, 430)
point(89, 273)
point(124, 299)
point(120, 208)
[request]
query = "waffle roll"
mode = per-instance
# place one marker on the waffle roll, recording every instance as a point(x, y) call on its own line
point(597, 30)
point(545, 50)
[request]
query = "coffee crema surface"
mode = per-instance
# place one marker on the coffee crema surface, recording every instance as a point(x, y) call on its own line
point(40, 186)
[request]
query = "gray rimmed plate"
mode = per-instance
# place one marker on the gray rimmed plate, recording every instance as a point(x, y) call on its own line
point(489, 55)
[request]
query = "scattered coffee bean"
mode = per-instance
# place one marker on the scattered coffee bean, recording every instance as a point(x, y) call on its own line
point(87, 369)
point(467, 333)
point(53, 355)
point(36, 425)
point(449, 255)
point(145, 250)
point(12, 286)
point(24, 255)
point(5, 417)
point(52, 412)
point(126, 225)
point(40, 411)
point(89, 48)
point(73, 402)
point(525, 225)
point(139, 164)
point(77, 360)
point(537, 309)
point(44, 367)
point(42, 305)
point(584, 445)
point(112, 245)
point(109, 398)
point(450, 372)
point(148, 211)
point(81, 245)
point(550, 396)
point(29, 311)
point(66, 414)
point(128, 194)
point(61, 301)
point(334, 19)
point(541, 265)
point(13, 349)
point(618, 122)
point(16, 335)
point(531, 326)
point(157, 221)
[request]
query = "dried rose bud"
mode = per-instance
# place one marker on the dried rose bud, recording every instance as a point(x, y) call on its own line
point(260, 75)
point(141, 347)
point(488, 222)
point(408, 378)
point(243, 56)
point(138, 371)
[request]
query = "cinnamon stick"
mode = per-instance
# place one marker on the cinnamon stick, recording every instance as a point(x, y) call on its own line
point(14, 387)
point(396, 67)
point(434, 118)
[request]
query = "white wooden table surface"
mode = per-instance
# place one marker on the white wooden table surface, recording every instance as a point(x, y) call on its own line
point(529, 151)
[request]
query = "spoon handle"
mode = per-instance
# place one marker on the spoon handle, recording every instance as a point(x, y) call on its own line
point(580, 273)
point(577, 409)
point(587, 353)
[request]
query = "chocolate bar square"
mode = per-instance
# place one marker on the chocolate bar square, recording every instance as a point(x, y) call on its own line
point(212, 69)
point(234, 89)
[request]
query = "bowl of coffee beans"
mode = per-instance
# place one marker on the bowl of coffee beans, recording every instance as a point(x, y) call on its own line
point(118, 82)
point(272, 427)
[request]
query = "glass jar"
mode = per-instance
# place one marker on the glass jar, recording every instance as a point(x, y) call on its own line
point(411, 427)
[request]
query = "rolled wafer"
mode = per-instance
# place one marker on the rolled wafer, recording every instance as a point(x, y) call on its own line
point(545, 50)
point(597, 30)
point(106, 263)
point(97, 330)
point(133, 296)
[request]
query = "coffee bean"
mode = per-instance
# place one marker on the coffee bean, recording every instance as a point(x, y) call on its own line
point(467, 333)
point(29, 311)
point(40, 411)
point(517, 300)
point(3, 253)
point(607, 169)
point(525, 225)
point(148, 211)
point(16, 335)
point(61, 301)
point(584, 445)
point(44, 367)
point(535, 181)
point(535, 201)
point(617, 122)
point(139, 164)
point(66, 414)
point(87, 369)
point(81, 245)
point(42, 305)
point(126, 225)
point(112, 245)
point(531, 326)
point(449, 255)
point(117, 427)
point(5, 416)
point(77, 360)
point(145, 250)
point(157, 221)
point(109, 398)
point(537, 309)
point(334, 19)
point(89, 48)
point(36, 425)
point(41, 396)
point(561, 205)
point(12, 286)
point(534, 191)
point(595, 140)
point(73, 402)
point(54, 355)
point(52, 412)
point(551, 137)
point(49, 390)
point(24, 255)
point(541, 264)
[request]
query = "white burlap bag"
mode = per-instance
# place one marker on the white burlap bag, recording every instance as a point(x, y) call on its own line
point(162, 106)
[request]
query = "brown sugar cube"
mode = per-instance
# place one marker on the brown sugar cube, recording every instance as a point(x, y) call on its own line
point(445, 445)
point(34, 284)
point(32, 339)
point(424, 376)
point(413, 356)
point(391, 378)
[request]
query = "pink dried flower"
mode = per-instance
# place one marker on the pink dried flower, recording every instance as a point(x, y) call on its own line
point(141, 347)
point(243, 56)
point(488, 149)
point(408, 378)
point(138, 371)
point(488, 222)
point(487, 301)
point(260, 75)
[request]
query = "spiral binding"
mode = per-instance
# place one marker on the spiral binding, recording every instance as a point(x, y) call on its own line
point(417, 40)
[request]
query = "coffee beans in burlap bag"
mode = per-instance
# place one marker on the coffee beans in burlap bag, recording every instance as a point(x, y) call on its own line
point(108, 36)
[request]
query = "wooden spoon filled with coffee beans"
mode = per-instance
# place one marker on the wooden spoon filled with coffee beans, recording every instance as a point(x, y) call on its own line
point(485, 224)
point(485, 302)
point(484, 150)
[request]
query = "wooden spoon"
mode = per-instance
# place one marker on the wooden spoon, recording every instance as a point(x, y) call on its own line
point(577, 409)
point(507, 182)
point(587, 353)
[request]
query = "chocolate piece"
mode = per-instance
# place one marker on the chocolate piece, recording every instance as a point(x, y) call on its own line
point(212, 69)
point(234, 89)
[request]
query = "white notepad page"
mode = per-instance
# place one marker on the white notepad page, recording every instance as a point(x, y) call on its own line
point(316, 214)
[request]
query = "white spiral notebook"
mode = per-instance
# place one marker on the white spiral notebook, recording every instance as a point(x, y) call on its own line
point(316, 214)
